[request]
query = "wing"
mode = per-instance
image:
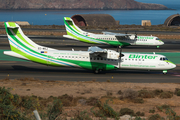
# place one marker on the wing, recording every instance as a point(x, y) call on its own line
point(129, 38)
point(96, 51)
point(116, 34)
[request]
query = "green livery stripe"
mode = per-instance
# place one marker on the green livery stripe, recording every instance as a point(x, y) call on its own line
point(169, 61)
point(12, 24)
point(15, 39)
point(115, 43)
point(71, 23)
point(73, 28)
point(50, 60)
point(16, 31)
point(79, 33)
point(81, 39)
point(91, 65)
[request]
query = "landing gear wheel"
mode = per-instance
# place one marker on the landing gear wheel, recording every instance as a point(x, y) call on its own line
point(98, 71)
point(164, 72)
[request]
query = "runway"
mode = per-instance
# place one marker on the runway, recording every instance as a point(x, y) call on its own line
point(20, 69)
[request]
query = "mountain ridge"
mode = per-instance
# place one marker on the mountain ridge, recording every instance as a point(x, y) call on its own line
point(79, 5)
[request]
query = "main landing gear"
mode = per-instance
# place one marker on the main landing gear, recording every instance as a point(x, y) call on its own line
point(97, 71)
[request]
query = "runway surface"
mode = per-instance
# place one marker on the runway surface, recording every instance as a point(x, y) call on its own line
point(17, 69)
point(21, 69)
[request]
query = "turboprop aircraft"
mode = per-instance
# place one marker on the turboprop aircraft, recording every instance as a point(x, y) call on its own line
point(95, 58)
point(115, 39)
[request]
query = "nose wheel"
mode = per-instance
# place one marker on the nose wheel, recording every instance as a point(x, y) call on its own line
point(164, 72)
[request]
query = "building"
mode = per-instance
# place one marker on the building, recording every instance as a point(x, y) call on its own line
point(94, 20)
point(173, 20)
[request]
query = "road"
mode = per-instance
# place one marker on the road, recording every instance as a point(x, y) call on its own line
point(21, 69)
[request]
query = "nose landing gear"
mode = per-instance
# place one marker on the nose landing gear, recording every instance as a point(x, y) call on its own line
point(164, 72)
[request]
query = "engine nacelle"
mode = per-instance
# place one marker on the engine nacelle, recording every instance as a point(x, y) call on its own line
point(111, 54)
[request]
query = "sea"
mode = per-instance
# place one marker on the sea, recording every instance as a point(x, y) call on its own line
point(125, 17)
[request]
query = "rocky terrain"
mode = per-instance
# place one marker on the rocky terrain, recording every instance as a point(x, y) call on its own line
point(79, 4)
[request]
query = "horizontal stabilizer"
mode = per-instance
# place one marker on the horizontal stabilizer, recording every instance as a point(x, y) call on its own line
point(14, 54)
point(68, 36)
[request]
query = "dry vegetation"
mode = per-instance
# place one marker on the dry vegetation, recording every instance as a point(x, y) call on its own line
point(97, 99)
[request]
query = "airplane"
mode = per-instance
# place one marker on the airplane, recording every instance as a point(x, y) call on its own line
point(95, 58)
point(114, 39)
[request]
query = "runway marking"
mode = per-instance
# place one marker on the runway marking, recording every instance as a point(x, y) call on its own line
point(8, 62)
point(177, 75)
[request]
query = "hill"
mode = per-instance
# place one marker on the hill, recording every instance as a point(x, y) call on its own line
point(79, 4)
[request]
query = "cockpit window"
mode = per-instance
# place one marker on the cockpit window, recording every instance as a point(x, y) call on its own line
point(157, 39)
point(163, 58)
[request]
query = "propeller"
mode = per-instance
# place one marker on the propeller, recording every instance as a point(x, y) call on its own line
point(120, 54)
point(126, 32)
point(135, 35)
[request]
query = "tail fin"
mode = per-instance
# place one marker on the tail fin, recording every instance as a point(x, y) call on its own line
point(72, 29)
point(18, 40)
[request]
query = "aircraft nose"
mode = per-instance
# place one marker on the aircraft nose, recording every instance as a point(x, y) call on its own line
point(173, 66)
point(162, 43)
point(159, 42)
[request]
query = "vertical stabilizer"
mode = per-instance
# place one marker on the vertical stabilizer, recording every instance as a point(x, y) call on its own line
point(17, 39)
point(73, 29)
